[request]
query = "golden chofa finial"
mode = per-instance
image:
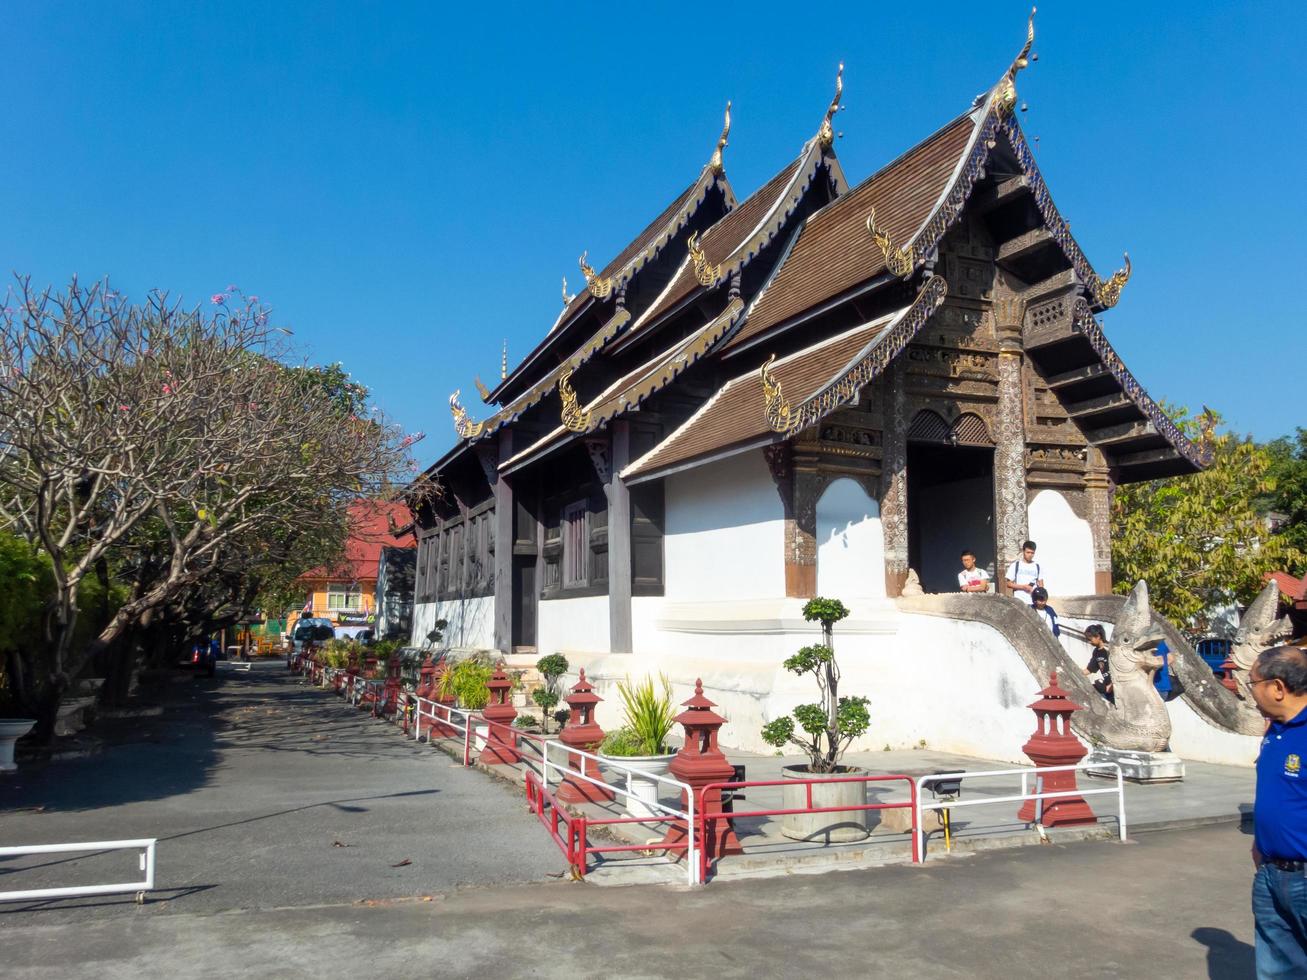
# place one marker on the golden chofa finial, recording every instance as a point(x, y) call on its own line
point(598, 287)
point(1109, 291)
point(900, 261)
point(1006, 96)
point(716, 162)
point(464, 426)
point(482, 390)
point(567, 299)
point(704, 270)
point(776, 408)
point(827, 132)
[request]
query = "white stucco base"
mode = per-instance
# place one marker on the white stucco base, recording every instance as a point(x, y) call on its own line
point(1065, 545)
point(471, 622)
point(570, 626)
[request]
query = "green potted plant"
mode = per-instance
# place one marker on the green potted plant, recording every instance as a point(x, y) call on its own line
point(551, 668)
point(466, 680)
point(641, 742)
point(824, 730)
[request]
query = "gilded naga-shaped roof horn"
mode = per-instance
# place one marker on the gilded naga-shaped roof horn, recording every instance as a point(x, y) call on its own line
point(900, 261)
point(573, 417)
point(464, 426)
point(704, 270)
point(776, 408)
point(599, 286)
point(1006, 95)
point(716, 160)
point(826, 134)
point(1109, 290)
point(567, 298)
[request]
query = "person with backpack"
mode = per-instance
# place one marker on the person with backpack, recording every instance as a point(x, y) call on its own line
point(1024, 575)
point(1046, 613)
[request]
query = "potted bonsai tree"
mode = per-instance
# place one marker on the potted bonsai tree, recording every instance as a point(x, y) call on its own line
point(546, 698)
point(824, 730)
point(641, 742)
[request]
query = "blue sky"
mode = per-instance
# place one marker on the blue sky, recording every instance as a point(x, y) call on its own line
point(405, 184)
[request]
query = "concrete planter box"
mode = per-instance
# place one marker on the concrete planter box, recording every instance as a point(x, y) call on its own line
point(11, 730)
point(838, 827)
point(644, 791)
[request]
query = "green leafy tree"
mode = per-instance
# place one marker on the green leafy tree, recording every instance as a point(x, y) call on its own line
point(1288, 470)
point(824, 729)
point(1200, 541)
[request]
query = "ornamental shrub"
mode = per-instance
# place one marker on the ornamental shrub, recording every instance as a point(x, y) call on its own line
point(824, 730)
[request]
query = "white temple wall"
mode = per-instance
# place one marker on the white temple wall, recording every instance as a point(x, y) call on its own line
point(1065, 545)
point(471, 622)
point(850, 543)
point(724, 532)
point(571, 626)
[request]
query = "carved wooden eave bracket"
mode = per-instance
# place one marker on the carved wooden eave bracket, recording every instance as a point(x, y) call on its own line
point(1198, 454)
point(864, 368)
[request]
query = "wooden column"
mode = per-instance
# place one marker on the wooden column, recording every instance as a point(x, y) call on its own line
point(1098, 488)
point(894, 479)
point(504, 506)
point(619, 540)
point(1011, 516)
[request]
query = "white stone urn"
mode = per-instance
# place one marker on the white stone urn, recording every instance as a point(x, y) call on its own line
point(11, 730)
point(644, 792)
point(837, 827)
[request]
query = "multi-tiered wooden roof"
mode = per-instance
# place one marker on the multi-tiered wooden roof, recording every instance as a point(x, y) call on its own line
point(781, 309)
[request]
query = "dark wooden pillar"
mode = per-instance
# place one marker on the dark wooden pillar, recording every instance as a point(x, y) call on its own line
point(894, 478)
point(504, 507)
point(1098, 487)
point(619, 540)
point(1010, 505)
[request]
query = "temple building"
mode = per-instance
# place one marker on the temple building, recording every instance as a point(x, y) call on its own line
point(809, 391)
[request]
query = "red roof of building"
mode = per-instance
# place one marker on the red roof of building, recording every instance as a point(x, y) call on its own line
point(1294, 589)
point(371, 530)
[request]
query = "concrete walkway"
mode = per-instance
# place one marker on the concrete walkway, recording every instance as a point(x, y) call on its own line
point(266, 794)
point(1172, 906)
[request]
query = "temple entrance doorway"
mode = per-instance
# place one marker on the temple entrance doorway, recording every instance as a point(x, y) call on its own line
point(950, 507)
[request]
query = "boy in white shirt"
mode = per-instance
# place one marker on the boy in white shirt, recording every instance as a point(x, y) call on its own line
point(1024, 574)
point(971, 578)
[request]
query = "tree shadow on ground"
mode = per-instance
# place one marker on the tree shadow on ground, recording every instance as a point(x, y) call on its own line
point(157, 897)
point(1228, 958)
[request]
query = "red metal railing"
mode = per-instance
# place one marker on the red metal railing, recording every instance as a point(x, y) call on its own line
point(575, 844)
point(705, 818)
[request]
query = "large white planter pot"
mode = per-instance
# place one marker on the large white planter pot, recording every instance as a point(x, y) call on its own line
point(644, 792)
point(839, 827)
point(11, 730)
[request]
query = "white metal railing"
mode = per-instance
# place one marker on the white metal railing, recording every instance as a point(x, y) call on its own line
point(145, 846)
point(464, 723)
point(1039, 796)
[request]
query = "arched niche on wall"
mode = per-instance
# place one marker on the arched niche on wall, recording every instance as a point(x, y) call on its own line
point(850, 542)
point(1065, 545)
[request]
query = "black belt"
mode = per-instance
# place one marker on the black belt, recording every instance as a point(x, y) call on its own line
point(1284, 864)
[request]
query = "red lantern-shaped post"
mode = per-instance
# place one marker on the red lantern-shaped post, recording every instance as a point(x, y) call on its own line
point(499, 743)
point(699, 763)
point(426, 688)
point(1227, 675)
point(1052, 744)
point(393, 686)
point(582, 732)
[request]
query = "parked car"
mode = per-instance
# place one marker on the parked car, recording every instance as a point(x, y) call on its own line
point(311, 630)
point(205, 655)
point(364, 634)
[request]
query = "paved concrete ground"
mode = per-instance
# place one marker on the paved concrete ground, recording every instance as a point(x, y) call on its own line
point(250, 782)
point(1172, 905)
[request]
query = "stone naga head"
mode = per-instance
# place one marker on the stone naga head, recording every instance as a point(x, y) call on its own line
point(1134, 634)
point(1260, 627)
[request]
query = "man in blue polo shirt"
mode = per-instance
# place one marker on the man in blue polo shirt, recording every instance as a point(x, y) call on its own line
point(1279, 686)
